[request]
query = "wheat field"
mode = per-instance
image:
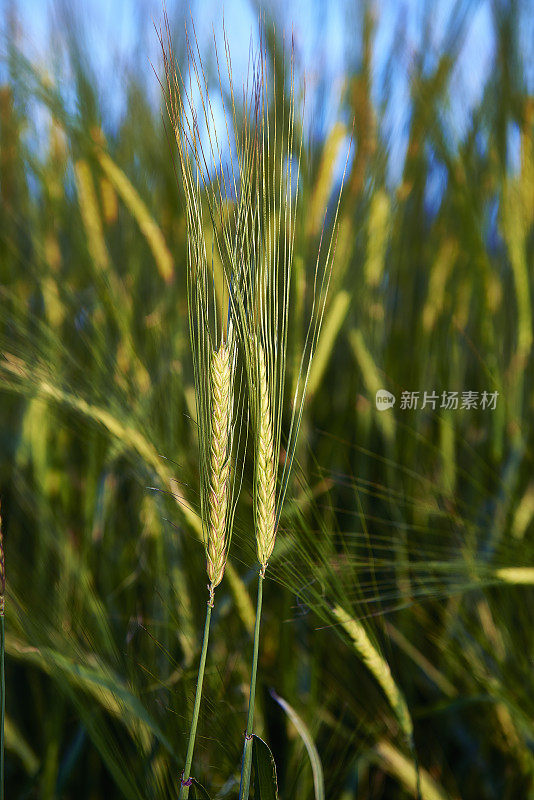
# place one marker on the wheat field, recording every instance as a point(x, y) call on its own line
point(261, 362)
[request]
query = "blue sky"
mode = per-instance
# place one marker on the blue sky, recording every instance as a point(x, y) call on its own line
point(120, 34)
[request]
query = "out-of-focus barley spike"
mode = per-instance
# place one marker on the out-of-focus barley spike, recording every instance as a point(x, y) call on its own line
point(377, 666)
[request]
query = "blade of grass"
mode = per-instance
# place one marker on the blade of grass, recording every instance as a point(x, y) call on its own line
point(305, 735)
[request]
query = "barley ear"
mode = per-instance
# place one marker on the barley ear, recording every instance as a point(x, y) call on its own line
point(221, 412)
point(265, 469)
point(377, 666)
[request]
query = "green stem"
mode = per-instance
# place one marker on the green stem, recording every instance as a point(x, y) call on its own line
point(246, 763)
point(184, 789)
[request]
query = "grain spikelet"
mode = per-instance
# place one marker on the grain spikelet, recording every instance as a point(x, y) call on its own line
point(219, 463)
point(265, 471)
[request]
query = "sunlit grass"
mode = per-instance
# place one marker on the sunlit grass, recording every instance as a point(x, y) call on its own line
point(408, 533)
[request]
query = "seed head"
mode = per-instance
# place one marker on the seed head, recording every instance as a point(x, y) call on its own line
point(221, 413)
point(265, 471)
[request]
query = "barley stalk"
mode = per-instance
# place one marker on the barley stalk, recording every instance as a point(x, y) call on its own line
point(210, 323)
point(265, 520)
point(246, 761)
point(221, 399)
point(186, 782)
point(251, 229)
point(261, 302)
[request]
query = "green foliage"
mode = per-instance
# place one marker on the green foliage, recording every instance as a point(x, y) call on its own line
point(304, 733)
point(265, 784)
point(418, 524)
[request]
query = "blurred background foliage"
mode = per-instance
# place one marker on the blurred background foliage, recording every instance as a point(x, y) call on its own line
point(418, 524)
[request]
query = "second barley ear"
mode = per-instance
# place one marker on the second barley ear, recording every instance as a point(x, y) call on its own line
point(265, 494)
point(220, 451)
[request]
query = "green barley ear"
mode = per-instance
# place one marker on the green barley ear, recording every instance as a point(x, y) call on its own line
point(265, 481)
point(215, 232)
point(221, 417)
point(262, 292)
